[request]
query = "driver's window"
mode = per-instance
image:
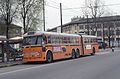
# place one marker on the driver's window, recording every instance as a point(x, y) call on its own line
point(49, 39)
point(44, 40)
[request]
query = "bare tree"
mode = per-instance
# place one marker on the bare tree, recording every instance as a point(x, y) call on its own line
point(8, 10)
point(110, 33)
point(30, 11)
point(94, 9)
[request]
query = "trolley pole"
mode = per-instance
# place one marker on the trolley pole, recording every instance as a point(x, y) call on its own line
point(44, 14)
point(61, 17)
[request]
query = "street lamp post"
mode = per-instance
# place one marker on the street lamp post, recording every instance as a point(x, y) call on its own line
point(118, 36)
point(61, 17)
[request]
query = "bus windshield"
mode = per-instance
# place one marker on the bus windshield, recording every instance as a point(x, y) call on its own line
point(33, 40)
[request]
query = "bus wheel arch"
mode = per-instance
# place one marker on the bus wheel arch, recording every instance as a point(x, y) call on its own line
point(49, 56)
point(77, 53)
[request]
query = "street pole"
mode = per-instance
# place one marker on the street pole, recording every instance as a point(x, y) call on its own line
point(109, 36)
point(61, 17)
point(118, 36)
point(44, 14)
point(88, 26)
point(103, 33)
point(2, 51)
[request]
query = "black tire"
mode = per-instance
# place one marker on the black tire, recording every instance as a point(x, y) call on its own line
point(73, 56)
point(93, 51)
point(49, 57)
point(77, 53)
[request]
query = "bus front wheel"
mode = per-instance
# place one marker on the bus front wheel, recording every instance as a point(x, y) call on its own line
point(49, 57)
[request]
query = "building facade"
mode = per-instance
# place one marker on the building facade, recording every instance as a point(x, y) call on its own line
point(105, 28)
point(13, 31)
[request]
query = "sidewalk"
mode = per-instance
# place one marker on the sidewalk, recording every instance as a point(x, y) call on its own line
point(8, 64)
point(109, 50)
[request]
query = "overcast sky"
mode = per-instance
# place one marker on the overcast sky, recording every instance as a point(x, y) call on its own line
point(53, 12)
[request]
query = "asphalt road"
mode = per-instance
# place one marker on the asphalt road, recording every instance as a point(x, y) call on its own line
point(100, 66)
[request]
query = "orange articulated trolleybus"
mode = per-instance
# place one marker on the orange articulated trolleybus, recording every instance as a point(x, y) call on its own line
point(48, 46)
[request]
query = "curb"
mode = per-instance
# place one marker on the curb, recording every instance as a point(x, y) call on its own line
point(8, 65)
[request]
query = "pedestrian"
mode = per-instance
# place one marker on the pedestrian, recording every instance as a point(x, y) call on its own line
point(112, 49)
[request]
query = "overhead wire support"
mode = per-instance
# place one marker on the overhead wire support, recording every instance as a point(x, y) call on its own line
point(85, 7)
point(61, 17)
point(44, 15)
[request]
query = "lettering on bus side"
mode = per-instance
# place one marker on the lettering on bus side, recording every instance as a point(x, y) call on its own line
point(57, 49)
point(88, 46)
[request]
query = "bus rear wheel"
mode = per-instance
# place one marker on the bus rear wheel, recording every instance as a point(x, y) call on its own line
point(77, 53)
point(73, 54)
point(49, 57)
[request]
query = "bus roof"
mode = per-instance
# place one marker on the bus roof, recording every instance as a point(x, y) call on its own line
point(55, 33)
point(47, 33)
point(89, 36)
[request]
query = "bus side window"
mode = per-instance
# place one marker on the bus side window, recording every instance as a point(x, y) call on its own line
point(39, 40)
point(55, 39)
point(61, 40)
point(58, 41)
point(85, 40)
point(90, 40)
point(49, 39)
point(94, 40)
point(68, 39)
point(77, 40)
point(74, 40)
point(52, 37)
point(64, 40)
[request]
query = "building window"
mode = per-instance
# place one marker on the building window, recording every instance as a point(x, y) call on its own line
point(99, 33)
point(81, 27)
point(106, 32)
point(75, 27)
point(98, 25)
point(86, 26)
